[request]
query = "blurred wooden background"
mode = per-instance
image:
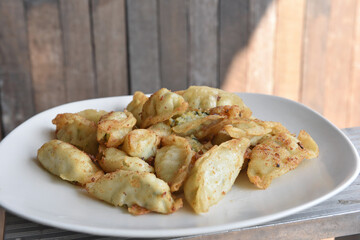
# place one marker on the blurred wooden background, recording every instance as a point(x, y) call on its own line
point(53, 52)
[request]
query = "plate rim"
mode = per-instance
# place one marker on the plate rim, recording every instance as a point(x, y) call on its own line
point(176, 232)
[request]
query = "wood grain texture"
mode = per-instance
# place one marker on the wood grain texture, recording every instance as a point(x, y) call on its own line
point(110, 47)
point(173, 44)
point(15, 78)
point(144, 66)
point(262, 21)
point(46, 53)
point(338, 75)
point(288, 48)
point(203, 33)
point(234, 37)
point(324, 228)
point(80, 77)
point(354, 108)
point(314, 61)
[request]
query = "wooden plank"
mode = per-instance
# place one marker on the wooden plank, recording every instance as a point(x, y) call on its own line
point(203, 33)
point(288, 48)
point(78, 55)
point(46, 53)
point(314, 64)
point(173, 43)
point(144, 67)
point(319, 228)
point(2, 223)
point(110, 47)
point(15, 77)
point(262, 23)
point(338, 61)
point(234, 37)
point(354, 113)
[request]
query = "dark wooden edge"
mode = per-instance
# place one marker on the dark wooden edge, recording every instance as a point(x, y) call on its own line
point(2, 223)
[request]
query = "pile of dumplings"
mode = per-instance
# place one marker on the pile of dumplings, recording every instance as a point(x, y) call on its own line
point(188, 144)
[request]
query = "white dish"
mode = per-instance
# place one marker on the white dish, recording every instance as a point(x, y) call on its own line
point(27, 190)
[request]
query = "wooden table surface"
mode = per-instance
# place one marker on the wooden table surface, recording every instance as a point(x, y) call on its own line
point(337, 216)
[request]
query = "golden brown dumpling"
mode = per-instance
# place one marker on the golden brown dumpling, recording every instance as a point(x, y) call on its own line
point(214, 174)
point(114, 159)
point(276, 127)
point(161, 106)
point(277, 155)
point(141, 143)
point(161, 129)
point(203, 98)
point(136, 105)
point(308, 143)
point(69, 163)
point(172, 161)
point(202, 128)
point(77, 130)
point(131, 188)
point(92, 114)
point(113, 127)
point(253, 129)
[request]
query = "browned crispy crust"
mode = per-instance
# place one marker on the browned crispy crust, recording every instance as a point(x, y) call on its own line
point(137, 210)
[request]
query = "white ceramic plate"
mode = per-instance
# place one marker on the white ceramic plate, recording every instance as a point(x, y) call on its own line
point(26, 189)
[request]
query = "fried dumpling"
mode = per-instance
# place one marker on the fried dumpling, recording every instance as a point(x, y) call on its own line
point(172, 161)
point(203, 98)
point(141, 143)
point(113, 127)
point(77, 130)
point(253, 129)
point(202, 128)
point(131, 188)
point(114, 159)
point(276, 127)
point(309, 144)
point(161, 106)
point(92, 114)
point(214, 173)
point(161, 129)
point(277, 155)
point(69, 163)
point(136, 106)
